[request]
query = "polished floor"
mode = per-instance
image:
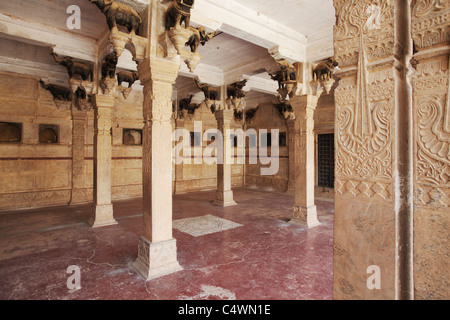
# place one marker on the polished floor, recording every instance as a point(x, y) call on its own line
point(259, 257)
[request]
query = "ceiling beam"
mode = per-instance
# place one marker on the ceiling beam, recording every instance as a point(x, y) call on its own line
point(234, 18)
point(64, 42)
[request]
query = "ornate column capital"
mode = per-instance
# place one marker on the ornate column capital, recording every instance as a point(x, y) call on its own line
point(290, 123)
point(104, 101)
point(224, 116)
point(306, 101)
point(79, 114)
point(179, 123)
point(158, 69)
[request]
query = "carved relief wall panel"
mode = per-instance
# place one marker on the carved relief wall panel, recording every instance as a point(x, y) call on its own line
point(366, 226)
point(431, 35)
point(364, 143)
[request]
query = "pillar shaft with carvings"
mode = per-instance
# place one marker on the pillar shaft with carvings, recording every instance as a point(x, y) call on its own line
point(431, 155)
point(157, 251)
point(305, 213)
point(79, 118)
point(103, 208)
point(292, 152)
point(179, 166)
point(373, 151)
point(224, 194)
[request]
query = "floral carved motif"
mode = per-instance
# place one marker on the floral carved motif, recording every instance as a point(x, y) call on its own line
point(433, 152)
point(364, 98)
point(431, 23)
point(367, 153)
point(363, 24)
point(431, 84)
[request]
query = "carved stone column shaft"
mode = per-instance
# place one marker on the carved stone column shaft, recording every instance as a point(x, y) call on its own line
point(305, 213)
point(292, 154)
point(103, 208)
point(179, 167)
point(78, 161)
point(373, 148)
point(157, 255)
point(224, 194)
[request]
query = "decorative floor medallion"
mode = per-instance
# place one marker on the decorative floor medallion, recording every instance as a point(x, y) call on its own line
point(200, 226)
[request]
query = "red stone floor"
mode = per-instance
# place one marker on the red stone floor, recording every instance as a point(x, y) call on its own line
point(265, 259)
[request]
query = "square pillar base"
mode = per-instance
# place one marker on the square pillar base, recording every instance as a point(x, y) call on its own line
point(224, 199)
point(103, 216)
point(305, 217)
point(291, 187)
point(156, 259)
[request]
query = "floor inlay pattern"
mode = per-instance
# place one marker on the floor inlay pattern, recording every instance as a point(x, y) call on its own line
point(200, 226)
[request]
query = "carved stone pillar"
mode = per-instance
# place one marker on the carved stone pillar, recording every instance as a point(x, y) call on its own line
point(373, 204)
point(431, 114)
point(305, 212)
point(157, 251)
point(179, 166)
point(292, 153)
point(78, 154)
point(103, 208)
point(224, 194)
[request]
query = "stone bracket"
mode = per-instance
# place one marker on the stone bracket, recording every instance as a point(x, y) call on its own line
point(174, 42)
point(135, 44)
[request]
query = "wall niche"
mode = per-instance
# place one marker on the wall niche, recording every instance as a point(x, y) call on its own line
point(10, 132)
point(48, 134)
point(132, 137)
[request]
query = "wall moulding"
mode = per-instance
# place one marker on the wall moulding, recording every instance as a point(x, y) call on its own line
point(34, 199)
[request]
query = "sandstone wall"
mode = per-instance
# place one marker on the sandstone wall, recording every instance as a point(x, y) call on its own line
point(268, 118)
point(35, 174)
point(202, 176)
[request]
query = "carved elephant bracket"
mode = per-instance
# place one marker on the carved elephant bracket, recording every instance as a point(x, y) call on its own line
point(235, 90)
point(287, 78)
point(118, 13)
point(77, 70)
point(175, 34)
point(135, 44)
point(323, 75)
point(121, 14)
point(83, 99)
point(286, 110)
point(186, 108)
point(126, 76)
point(58, 92)
point(179, 12)
point(210, 92)
point(62, 96)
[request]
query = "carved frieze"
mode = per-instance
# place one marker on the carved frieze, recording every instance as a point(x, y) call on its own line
point(365, 97)
point(364, 136)
point(432, 163)
point(380, 190)
point(364, 25)
point(431, 86)
point(431, 22)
